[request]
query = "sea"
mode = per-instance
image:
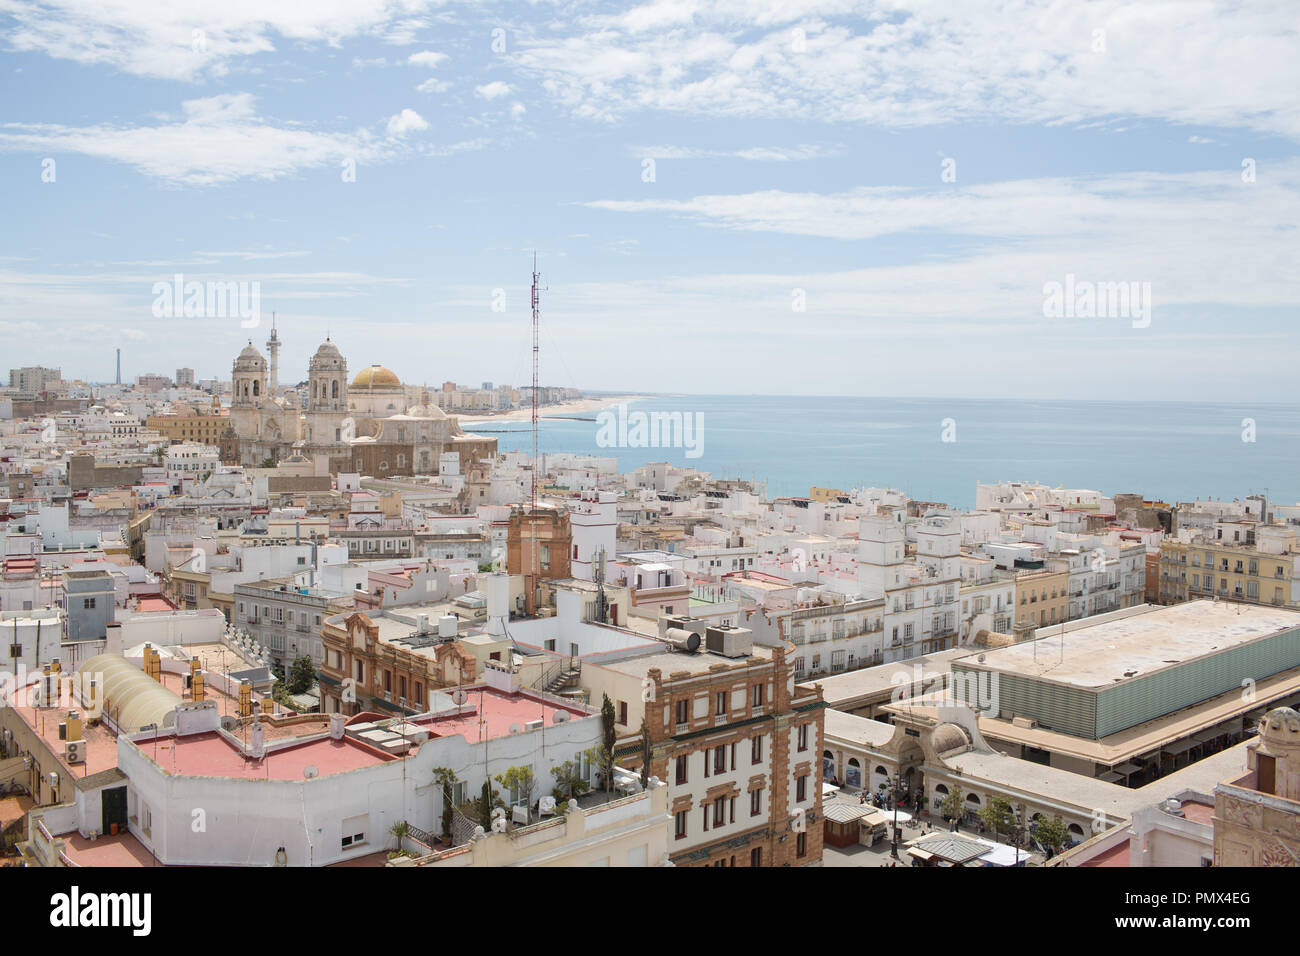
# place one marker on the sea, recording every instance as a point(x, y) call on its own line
point(937, 449)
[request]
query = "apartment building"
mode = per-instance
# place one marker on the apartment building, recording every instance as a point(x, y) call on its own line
point(734, 737)
point(921, 593)
point(1042, 598)
point(191, 423)
point(988, 597)
point(392, 661)
point(286, 618)
point(1259, 568)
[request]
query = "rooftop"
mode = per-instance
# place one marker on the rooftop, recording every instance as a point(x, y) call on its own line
point(213, 755)
point(489, 713)
point(1107, 653)
point(671, 662)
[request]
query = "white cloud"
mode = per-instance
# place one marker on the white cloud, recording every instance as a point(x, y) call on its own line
point(1197, 237)
point(219, 139)
point(426, 58)
point(780, 154)
point(494, 90)
point(405, 121)
point(917, 63)
point(432, 85)
point(189, 39)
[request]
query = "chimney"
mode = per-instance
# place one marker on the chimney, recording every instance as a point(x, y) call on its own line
point(257, 740)
point(336, 726)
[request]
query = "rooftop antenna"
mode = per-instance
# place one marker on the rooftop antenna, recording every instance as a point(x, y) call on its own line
point(536, 318)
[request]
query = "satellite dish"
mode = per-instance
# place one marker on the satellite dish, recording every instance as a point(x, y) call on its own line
point(516, 728)
point(560, 716)
point(460, 697)
point(309, 772)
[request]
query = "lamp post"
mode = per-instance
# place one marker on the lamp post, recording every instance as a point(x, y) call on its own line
point(893, 795)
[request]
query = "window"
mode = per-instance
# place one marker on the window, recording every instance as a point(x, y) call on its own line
point(801, 789)
point(755, 802)
point(683, 711)
point(681, 769)
point(756, 750)
point(622, 712)
point(801, 844)
point(354, 832)
point(756, 856)
point(720, 703)
point(720, 759)
point(719, 812)
point(803, 737)
point(758, 695)
point(88, 604)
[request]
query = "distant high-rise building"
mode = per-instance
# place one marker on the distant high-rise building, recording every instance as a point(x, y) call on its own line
point(34, 380)
point(185, 376)
point(119, 367)
point(153, 382)
point(487, 386)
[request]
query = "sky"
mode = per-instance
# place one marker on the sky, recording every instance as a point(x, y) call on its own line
point(818, 197)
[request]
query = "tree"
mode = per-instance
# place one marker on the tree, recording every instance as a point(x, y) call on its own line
point(645, 755)
point(447, 778)
point(998, 816)
point(953, 806)
point(1052, 834)
point(605, 756)
point(569, 782)
point(302, 674)
point(521, 781)
point(485, 807)
point(398, 832)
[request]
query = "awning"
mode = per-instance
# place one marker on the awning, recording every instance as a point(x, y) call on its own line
point(1179, 747)
point(1111, 777)
point(1127, 768)
point(840, 811)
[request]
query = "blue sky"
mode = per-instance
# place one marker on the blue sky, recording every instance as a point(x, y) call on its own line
point(797, 145)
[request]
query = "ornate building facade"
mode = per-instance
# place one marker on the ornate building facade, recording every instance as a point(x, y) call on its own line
point(368, 425)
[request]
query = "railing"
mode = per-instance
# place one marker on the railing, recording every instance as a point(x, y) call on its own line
point(423, 836)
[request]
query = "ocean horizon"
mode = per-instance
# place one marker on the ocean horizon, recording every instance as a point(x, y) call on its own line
point(1174, 451)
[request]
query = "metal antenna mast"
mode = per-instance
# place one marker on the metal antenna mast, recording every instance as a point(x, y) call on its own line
point(536, 276)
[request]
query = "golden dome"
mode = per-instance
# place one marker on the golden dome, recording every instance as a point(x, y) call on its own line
point(375, 375)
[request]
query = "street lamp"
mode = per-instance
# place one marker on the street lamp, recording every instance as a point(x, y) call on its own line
point(893, 795)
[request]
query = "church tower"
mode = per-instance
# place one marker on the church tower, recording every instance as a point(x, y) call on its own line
point(249, 376)
point(327, 395)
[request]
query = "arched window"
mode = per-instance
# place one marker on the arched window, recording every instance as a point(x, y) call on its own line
point(942, 790)
point(255, 387)
point(853, 774)
point(973, 799)
point(335, 389)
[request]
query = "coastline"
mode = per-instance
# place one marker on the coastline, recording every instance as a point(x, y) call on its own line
point(562, 410)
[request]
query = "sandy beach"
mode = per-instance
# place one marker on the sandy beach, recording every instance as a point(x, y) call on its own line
point(562, 410)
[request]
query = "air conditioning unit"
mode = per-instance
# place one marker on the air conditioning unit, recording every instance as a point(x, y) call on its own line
point(74, 751)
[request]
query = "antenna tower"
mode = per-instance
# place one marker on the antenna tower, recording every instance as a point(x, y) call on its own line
point(536, 314)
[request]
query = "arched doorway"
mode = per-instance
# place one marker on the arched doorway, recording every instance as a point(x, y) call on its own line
point(853, 774)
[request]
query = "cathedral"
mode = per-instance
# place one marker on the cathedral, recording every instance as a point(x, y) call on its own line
point(374, 425)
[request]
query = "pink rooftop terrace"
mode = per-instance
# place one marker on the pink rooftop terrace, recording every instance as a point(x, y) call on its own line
point(486, 715)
